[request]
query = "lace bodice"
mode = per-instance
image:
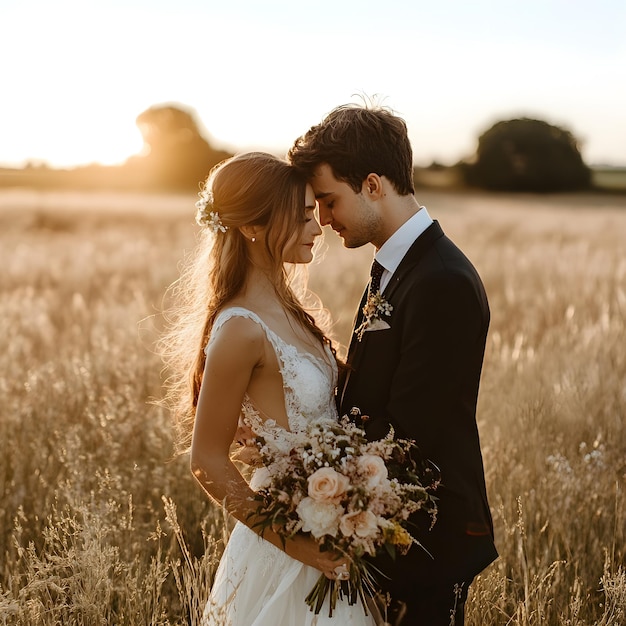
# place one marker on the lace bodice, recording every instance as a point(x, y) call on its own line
point(308, 381)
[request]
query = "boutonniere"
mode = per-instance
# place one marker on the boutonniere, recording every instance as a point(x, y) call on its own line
point(376, 308)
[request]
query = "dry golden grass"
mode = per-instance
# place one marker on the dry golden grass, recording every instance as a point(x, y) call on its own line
point(100, 525)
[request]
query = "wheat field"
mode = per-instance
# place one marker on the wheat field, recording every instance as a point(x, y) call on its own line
point(101, 524)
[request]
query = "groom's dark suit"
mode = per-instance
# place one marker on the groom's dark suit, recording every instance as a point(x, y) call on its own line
point(422, 376)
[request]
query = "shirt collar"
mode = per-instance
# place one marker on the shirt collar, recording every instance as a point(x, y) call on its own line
point(395, 248)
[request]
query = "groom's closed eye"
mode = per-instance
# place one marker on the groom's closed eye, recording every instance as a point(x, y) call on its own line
point(327, 202)
point(323, 195)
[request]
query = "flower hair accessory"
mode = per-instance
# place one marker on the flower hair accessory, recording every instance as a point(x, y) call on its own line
point(375, 309)
point(207, 215)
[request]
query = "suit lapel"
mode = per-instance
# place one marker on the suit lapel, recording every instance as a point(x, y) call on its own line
point(358, 319)
point(354, 344)
point(410, 259)
point(413, 257)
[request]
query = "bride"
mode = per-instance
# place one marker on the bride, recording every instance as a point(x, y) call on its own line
point(260, 364)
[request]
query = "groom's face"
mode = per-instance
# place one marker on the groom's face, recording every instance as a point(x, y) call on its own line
point(351, 215)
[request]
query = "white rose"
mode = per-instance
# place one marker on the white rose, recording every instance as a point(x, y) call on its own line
point(327, 485)
point(361, 524)
point(373, 468)
point(261, 479)
point(319, 518)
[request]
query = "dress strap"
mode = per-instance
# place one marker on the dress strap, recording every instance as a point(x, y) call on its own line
point(239, 311)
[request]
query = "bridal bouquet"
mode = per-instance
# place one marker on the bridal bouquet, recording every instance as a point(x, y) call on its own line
point(353, 496)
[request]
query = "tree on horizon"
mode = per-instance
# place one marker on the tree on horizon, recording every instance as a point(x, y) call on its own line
point(175, 153)
point(528, 155)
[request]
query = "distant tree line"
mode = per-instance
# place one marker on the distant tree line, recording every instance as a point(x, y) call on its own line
point(515, 155)
point(175, 157)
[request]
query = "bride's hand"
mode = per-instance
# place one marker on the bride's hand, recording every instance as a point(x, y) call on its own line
point(331, 564)
point(247, 451)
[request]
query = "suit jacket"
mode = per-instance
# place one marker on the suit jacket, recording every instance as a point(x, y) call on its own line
point(421, 376)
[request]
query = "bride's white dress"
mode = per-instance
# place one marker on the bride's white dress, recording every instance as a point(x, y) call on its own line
point(256, 583)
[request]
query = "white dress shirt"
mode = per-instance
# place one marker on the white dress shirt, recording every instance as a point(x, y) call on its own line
point(395, 248)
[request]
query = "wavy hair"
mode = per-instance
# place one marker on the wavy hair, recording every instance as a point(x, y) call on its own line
point(355, 141)
point(249, 189)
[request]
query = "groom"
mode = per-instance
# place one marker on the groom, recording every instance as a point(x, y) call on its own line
point(415, 360)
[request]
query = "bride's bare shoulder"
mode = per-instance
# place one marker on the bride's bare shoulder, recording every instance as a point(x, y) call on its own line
point(239, 326)
point(235, 333)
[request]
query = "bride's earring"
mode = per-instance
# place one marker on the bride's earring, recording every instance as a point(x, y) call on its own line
point(253, 239)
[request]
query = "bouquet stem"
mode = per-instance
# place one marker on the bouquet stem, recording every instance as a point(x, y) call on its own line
point(354, 589)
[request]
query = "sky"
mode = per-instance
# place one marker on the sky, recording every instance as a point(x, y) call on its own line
point(77, 73)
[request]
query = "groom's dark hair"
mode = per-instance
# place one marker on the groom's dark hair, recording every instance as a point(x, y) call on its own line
point(356, 141)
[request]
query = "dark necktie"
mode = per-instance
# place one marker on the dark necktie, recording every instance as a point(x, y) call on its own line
point(376, 274)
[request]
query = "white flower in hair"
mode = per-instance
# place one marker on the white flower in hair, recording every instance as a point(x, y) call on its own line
point(207, 215)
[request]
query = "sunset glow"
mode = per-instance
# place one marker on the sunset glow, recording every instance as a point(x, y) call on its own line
point(260, 75)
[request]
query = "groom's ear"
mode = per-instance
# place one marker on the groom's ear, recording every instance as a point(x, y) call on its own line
point(372, 186)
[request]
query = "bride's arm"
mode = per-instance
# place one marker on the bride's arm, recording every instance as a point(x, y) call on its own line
point(235, 352)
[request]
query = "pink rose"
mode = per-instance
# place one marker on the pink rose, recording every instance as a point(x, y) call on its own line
point(319, 518)
point(361, 524)
point(327, 485)
point(373, 468)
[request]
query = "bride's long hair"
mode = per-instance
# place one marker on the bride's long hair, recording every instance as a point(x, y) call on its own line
point(249, 189)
